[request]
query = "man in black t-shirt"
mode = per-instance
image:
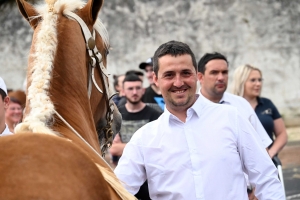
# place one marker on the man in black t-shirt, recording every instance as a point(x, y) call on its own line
point(152, 96)
point(135, 114)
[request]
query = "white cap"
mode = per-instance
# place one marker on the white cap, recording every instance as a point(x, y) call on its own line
point(2, 85)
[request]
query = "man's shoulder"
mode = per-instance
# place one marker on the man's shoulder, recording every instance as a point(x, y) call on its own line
point(150, 109)
point(148, 89)
point(152, 113)
point(220, 107)
point(147, 132)
point(233, 98)
point(122, 108)
point(236, 100)
point(239, 102)
point(210, 106)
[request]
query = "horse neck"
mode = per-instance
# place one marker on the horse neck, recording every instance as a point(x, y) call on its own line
point(69, 83)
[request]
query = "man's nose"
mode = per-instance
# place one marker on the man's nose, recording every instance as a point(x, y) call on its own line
point(178, 82)
point(221, 76)
point(135, 90)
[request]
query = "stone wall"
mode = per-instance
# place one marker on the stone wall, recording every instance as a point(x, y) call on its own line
point(263, 33)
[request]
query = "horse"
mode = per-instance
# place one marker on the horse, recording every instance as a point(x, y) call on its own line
point(55, 152)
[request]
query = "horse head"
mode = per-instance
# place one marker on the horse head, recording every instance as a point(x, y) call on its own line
point(67, 82)
point(67, 94)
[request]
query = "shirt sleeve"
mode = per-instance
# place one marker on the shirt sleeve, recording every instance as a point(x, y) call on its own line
point(275, 112)
point(252, 117)
point(130, 169)
point(263, 135)
point(257, 163)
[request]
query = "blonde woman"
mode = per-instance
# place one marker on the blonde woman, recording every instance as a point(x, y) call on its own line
point(247, 82)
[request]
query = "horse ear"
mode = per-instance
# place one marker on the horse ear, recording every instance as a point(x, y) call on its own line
point(93, 7)
point(28, 12)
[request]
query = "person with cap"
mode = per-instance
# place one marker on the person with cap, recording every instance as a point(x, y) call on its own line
point(152, 96)
point(4, 102)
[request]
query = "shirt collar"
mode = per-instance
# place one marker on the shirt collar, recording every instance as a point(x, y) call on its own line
point(223, 99)
point(195, 108)
point(259, 100)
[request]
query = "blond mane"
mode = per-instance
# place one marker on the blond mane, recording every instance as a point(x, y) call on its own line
point(41, 108)
point(40, 117)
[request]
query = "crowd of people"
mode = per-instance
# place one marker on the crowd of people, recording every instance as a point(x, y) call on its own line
point(155, 152)
point(179, 143)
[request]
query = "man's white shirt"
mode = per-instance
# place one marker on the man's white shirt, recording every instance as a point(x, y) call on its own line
point(203, 158)
point(6, 131)
point(246, 111)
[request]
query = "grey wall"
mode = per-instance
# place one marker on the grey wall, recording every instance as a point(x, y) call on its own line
point(262, 33)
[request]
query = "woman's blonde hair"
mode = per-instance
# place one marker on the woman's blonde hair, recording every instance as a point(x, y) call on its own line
point(240, 76)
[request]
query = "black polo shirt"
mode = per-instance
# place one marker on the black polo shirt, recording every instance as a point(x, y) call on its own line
point(267, 113)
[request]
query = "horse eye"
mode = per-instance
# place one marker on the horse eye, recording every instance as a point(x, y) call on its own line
point(107, 52)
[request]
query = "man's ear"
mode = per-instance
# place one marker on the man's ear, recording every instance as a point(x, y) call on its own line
point(6, 102)
point(200, 77)
point(155, 79)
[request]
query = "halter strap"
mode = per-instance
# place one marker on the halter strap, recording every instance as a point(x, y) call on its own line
point(91, 47)
point(65, 121)
point(96, 57)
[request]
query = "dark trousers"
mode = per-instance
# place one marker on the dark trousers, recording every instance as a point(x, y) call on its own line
point(143, 193)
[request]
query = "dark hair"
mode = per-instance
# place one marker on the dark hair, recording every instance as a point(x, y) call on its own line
point(173, 48)
point(3, 94)
point(131, 78)
point(136, 72)
point(14, 100)
point(208, 57)
point(116, 81)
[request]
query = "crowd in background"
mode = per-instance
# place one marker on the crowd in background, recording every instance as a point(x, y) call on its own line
point(139, 105)
point(247, 83)
point(213, 76)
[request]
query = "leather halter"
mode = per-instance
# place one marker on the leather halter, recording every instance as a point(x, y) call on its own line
point(96, 60)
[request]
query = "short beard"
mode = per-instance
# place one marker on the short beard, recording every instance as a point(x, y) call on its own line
point(134, 102)
point(218, 93)
point(175, 104)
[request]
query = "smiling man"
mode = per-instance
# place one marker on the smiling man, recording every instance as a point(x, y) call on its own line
point(195, 149)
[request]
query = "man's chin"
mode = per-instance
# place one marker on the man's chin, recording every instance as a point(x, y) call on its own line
point(179, 103)
point(134, 102)
point(220, 91)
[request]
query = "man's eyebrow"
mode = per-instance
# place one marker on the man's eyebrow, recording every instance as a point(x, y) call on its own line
point(215, 70)
point(168, 72)
point(186, 70)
